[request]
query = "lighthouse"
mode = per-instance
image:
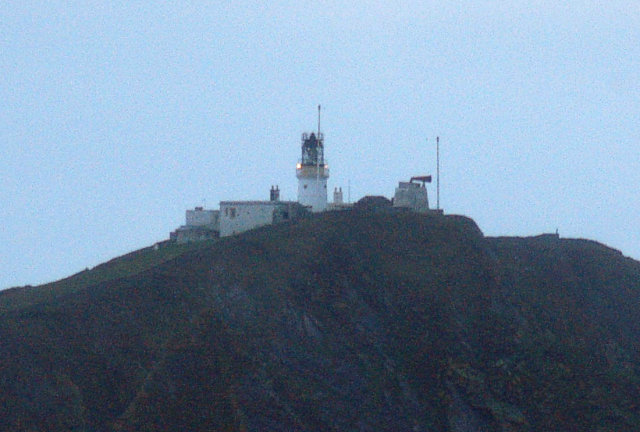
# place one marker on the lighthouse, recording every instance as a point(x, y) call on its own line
point(312, 171)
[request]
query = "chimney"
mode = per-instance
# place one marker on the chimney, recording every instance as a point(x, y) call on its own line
point(275, 194)
point(337, 196)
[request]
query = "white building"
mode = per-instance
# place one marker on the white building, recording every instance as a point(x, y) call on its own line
point(200, 225)
point(240, 216)
point(413, 195)
point(312, 172)
point(201, 217)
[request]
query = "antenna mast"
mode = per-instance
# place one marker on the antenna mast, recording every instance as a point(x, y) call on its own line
point(438, 171)
point(318, 149)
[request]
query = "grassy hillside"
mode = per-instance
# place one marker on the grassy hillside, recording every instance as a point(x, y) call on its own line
point(345, 321)
point(127, 265)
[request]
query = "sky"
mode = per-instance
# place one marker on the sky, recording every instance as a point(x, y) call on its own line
point(118, 116)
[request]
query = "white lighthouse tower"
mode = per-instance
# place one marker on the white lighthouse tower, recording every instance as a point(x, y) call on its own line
point(312, 171)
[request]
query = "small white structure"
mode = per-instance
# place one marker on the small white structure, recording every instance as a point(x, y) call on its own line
point(312, 172)
point(413, 195)
point(337, 196)
point(338, 203)
point(200, 225)
point(201, 217)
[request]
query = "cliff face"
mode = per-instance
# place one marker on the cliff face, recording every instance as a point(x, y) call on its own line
point(348, 321)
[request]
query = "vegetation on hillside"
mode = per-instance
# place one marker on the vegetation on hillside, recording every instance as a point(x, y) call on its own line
point(345, 321)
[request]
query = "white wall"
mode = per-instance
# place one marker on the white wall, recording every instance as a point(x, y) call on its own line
point(411, 195)
point(314, 194)
point(239, 216)
point(200, 217)
point(312, 187)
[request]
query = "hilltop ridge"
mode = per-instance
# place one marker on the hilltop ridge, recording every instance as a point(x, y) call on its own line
point(343, 321)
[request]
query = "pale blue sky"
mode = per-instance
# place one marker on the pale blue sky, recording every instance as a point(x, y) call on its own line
point(118, 116)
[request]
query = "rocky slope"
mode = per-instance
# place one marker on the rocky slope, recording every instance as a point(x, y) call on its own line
point(345, 321)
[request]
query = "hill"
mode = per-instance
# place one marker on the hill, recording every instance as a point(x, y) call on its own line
point(345, 321)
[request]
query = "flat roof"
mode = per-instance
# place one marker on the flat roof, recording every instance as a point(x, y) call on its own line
point(256, 202)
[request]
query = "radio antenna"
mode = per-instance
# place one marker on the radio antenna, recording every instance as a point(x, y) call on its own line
point(438, 172)
point(318, 149)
